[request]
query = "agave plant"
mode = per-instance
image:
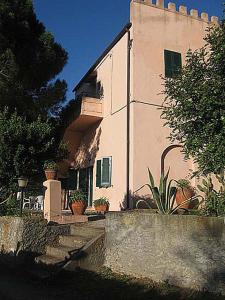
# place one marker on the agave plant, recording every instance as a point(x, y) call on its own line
point(164, 195)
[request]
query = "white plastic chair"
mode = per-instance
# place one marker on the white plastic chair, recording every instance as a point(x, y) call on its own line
point(30, 203)
point(39, 205)
point(27, 202)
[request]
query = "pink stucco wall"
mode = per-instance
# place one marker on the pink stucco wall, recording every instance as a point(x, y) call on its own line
point(153, 30)
point(156, 29)
point(112, 73)
point(108, 136)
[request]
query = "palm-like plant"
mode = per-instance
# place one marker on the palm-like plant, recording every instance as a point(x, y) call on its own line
point(164, 195)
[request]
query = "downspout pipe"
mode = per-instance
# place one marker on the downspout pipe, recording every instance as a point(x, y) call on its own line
point(128, 204)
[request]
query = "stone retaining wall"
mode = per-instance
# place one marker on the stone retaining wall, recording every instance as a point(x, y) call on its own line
point(28, 235)
point(187, 251)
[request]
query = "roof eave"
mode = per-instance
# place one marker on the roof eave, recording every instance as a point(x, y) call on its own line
point(114, 42)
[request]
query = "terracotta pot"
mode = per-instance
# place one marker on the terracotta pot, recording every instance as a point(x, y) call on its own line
point(183, 195)
point(50, 174)
point(78, 207)
point(102, 208)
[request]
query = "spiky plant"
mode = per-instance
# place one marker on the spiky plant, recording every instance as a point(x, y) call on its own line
point(164, 195)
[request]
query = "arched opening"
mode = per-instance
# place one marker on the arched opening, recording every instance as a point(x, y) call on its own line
point(164, 154)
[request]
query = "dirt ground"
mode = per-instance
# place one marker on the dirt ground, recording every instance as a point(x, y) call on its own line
point(19, 284)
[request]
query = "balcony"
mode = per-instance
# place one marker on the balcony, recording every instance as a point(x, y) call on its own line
point(91, 107)
point(88, 111)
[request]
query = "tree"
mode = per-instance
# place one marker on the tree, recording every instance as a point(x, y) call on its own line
point(30, 59)
point(194, 106)
point(24, 146)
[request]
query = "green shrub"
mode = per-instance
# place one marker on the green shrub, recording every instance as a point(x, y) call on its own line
point(9, 207)
point(101, 201)
point(77, 196)
point(183, 183)
point(214, 200)
point(214, 204)
point(50, 165)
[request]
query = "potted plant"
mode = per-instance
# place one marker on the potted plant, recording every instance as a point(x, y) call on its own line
point(101, 205)
point(50, 168)
point(184, 192)
point(78, 202)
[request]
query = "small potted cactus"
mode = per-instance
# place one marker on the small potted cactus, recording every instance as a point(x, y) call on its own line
point(50, 168)
point(101, 205)
point(184, 192)
point(78, 202)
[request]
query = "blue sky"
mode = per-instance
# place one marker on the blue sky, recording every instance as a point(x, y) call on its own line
point(86, 28)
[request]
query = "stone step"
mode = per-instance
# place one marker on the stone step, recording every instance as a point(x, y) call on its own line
point(86, 231)
point(48, 260)
point(98, 223)
point(70, 245)
point(61, 252)
point(73, 241)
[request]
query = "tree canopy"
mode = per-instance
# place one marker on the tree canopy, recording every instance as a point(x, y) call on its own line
point(24, 147)
point(30, 60)
point(194, 107)
point(31, 96)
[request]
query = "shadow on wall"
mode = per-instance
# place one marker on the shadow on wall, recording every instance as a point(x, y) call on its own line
point(133, 199)
point(17, 257)
point(89, 147)
point(206, 254)
point(80, 285)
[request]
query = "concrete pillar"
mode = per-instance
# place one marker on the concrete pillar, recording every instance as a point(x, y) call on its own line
point(52, 202)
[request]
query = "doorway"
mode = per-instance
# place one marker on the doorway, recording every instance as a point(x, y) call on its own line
point(85, 183)
point(81, 179)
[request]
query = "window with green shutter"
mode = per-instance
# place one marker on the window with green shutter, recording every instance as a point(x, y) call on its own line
point(104, 172)
point(98, 173)
point(173, 63)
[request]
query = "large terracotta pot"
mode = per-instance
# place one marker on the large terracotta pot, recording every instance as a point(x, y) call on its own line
point(78, 207)
point(102, 208)
point(183, 195)
point(50, 174)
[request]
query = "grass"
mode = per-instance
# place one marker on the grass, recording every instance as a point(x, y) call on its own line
point(83, 285)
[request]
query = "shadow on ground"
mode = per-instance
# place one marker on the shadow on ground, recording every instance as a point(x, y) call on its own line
point(19, 284)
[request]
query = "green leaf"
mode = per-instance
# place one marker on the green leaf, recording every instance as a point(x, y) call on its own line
point(151, 179)
point(202, 189)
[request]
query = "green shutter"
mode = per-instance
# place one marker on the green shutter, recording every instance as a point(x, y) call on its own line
point(83, 180)
point(72, 180)
point(177, 62)
point(168, 63)
point(106, 171)
point(172, 63)
point(98, 173)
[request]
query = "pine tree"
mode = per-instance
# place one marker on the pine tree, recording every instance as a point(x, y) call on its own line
point(30, 60)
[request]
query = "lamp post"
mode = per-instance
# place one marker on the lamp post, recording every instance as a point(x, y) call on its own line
point(22, 183)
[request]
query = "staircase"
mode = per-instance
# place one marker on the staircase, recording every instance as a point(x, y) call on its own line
point(83, 248)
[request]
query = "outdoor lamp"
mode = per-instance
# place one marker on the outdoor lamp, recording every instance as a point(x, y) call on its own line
point(22, 183)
